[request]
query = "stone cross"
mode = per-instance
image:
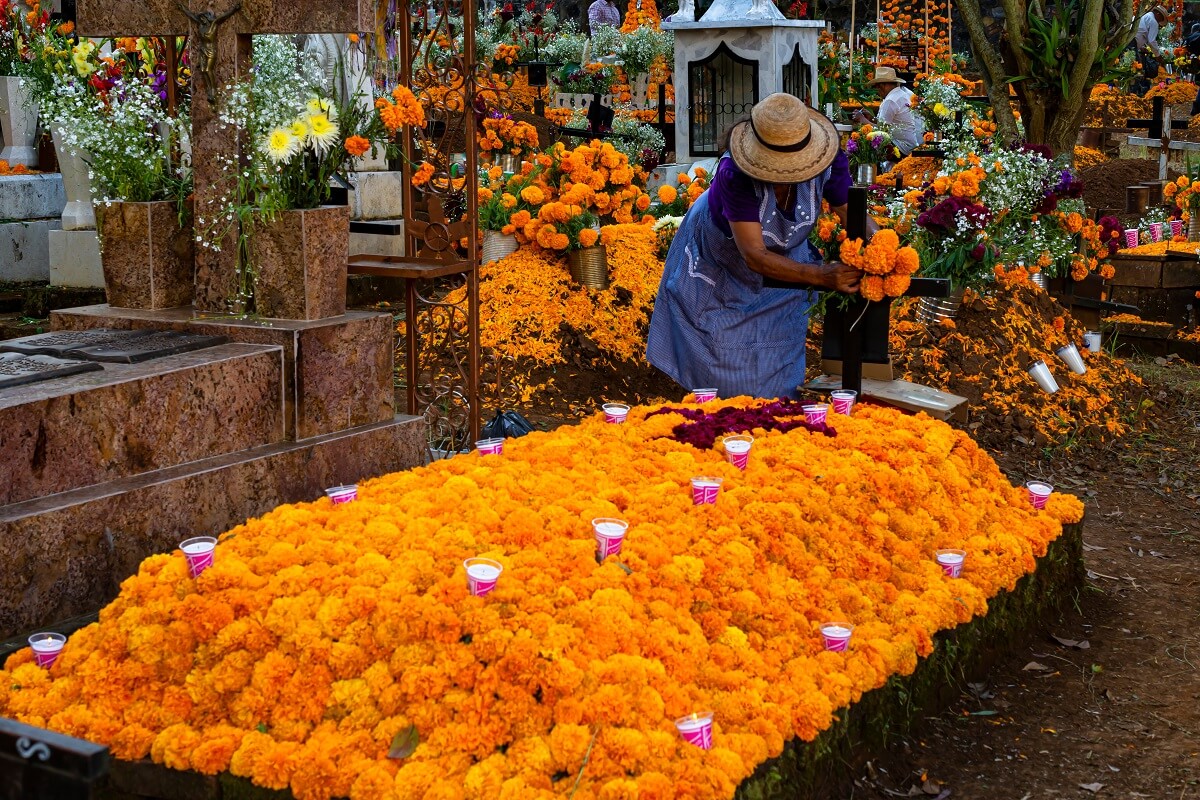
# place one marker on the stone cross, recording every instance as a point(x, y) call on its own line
point(219, 44)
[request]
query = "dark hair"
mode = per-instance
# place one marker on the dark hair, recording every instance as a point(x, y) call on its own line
point(723, 139)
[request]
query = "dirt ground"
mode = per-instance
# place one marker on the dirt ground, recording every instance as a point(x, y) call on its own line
point(1103, 702)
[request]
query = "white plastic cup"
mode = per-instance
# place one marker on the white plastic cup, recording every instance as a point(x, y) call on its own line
point(482, 575)
point(951, 562)
point(610, 535)
point(1039, 493)
point(1091, 340)
point(836, 636)
point(704, 395)
point(490, 447)
point(615, 412)
point(1156, 231)
point(343, 494)
point(46, 647)
point(1070, 354)
point(737, 449)
point(815, 413)
point(1041, 374)
point(705, 490)
point(1131, 237)
point(843, 400)
point(199, 552)
point(1176, 228)
point(697, 729)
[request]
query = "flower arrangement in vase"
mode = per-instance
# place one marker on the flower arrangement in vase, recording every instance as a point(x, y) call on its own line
point(501, 135)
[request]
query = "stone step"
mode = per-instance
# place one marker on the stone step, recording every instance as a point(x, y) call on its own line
point(125, 419)
point(66, 554)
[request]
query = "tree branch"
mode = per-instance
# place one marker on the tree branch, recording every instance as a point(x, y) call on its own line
point(994, 72)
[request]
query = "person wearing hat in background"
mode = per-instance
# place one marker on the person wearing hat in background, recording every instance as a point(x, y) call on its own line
point(895, 110)
point(1146, 42)
point(716, 321)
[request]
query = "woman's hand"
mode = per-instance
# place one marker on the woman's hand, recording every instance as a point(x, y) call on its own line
point(841, 277)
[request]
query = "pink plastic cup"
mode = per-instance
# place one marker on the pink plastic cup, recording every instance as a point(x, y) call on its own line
point(615, 412)
point(843, 400)
point(1131, 237)
point(737, 449)
point(951, 562)
point(1176, 228)
point(697, 729)
point(815, 413)
point(482, 575)
point(610, 535)
point(343, 494)
point(1156, 231)
point(490, 447)
point(1039, 493)
point(198, 551)
point(46, 647)
point(836, 636)
point(704, 395)
point(705, 490)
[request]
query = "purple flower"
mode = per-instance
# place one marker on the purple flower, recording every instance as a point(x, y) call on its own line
point(851, 147)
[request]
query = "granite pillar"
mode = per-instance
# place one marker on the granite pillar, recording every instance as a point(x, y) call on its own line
point(147, 254)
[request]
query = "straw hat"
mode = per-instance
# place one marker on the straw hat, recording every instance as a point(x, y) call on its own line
point(1161, 10)
point(886, 75)
point(784, 142)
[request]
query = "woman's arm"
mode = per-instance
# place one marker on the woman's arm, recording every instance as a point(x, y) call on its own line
point(834, 275)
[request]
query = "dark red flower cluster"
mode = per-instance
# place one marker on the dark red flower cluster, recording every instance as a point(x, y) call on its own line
point(703, 429)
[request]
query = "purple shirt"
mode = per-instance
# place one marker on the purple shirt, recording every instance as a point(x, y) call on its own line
point(731, 195)
point(601, 13)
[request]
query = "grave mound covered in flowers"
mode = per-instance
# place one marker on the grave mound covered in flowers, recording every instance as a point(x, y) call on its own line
point(322, 631)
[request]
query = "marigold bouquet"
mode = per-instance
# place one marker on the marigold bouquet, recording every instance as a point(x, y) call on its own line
point(613, 193)
point(889, 267)
point(500, 133)
point(871, 145)
point(519, 197)
point(674, 201)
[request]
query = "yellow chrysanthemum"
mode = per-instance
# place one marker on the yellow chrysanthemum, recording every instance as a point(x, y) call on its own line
point(322, 131)
point(280, 145)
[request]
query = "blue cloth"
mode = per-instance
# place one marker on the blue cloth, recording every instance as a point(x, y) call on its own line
point(714, 322)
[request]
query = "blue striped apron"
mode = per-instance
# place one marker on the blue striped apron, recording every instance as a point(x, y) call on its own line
point(714, 322)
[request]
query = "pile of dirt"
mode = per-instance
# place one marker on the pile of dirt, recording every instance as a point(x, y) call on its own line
point(1104, 184)
point(984, 354)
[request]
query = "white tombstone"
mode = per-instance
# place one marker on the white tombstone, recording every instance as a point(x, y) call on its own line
point(754, 36)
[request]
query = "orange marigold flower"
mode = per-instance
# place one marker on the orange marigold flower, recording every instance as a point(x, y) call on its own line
point(357, 145)
point(588, 237)
point(667, 194)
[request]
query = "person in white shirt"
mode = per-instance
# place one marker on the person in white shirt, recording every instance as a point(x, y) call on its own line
point(1146, 42)
point(895, 110)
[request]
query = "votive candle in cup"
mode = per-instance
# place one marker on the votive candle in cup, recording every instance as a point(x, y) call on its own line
point(1176, 228)
point(199, 552)
point(697, 729)
point(815, 413)
point(843, 400)
point(482, 575)
point(1131, 237)
point(615, 412)
point(836, 636)
point(704, 395)
point(1039, 493)
point(1156, 231)
point(951, 562)
point(1045, 379)
point(490, 447)
point(46, 647)
point(343, 494)
point(610, 535)
point(1070, 355)
point(737, 449)
point(705, 490)
point(1091, 340)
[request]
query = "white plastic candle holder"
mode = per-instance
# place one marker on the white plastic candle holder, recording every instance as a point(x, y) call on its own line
point(1070, 354)
point(615, 412)
point(815, 413)
point(490, 447)
point(697, 729)
point(951, 562)
point(1091, 340)
point(610, 535)
point(482, 575)
point(1039, 493)
point(843, 400)
point(1041, 373)
point(737, 449)
point(199, 552)
point(836, 636)
point(342, 494)
point(46, 647)
point(704, 395)
point(705, 490)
